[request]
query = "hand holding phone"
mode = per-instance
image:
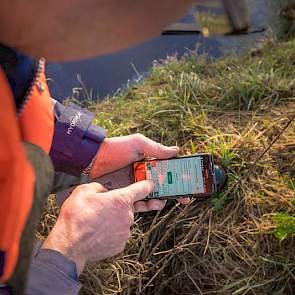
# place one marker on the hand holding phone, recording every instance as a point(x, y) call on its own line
point(192, 176)
point(187, 176)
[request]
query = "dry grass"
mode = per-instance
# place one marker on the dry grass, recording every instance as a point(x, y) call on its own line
point(233, 108)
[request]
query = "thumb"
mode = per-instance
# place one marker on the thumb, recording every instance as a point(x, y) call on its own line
point(136, 191)
point(154, 149)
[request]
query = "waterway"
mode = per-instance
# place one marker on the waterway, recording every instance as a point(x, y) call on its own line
point(103, 76)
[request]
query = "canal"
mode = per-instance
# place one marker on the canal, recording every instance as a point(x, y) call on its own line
point(103, 76)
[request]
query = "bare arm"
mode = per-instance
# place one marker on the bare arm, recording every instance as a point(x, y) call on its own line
point(66, 30)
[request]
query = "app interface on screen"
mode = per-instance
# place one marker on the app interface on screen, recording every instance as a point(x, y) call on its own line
point(176, 177)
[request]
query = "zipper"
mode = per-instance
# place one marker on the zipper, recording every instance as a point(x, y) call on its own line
point(40, 67)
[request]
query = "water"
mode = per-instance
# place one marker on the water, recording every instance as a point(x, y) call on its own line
point(104, 75)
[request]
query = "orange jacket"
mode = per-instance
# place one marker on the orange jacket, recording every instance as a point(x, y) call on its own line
point(26, 111)
point(34, 124)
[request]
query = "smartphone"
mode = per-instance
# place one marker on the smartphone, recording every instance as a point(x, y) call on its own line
point(186, 176)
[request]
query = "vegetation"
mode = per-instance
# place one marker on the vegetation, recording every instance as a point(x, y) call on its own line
point(241, 241)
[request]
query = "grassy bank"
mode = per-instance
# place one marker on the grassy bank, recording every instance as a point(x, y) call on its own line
point(241, 240)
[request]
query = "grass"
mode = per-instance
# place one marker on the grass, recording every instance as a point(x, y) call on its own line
point(241, 241)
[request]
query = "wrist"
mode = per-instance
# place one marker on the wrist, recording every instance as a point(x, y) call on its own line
point(98, 163)
point(89, 168)
point(57, 244)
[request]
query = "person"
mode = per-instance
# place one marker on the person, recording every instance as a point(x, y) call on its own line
point(39, 135)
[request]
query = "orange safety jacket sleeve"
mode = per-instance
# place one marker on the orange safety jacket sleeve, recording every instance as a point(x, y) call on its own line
point(75, 142)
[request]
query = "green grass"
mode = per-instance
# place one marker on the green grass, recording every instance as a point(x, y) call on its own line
point(285, 225)
point(241, 241)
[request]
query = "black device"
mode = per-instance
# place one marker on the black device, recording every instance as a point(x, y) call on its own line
point(192, 176)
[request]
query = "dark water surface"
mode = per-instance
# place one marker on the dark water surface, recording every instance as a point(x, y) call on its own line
point(104, 75)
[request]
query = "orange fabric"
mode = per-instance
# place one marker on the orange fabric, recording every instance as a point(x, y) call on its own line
point(16, 179)
point(139, 171)
point(35, 125)
point(37, 119)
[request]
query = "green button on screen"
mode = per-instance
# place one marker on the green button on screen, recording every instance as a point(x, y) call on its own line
point(169, 174)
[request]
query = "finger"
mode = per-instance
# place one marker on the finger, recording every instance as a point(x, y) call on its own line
point(184, 201)
point(93, 187)
point(154, 149)
point(140, 206)
point(135, 192)
point(156, 205)
point(145, 206)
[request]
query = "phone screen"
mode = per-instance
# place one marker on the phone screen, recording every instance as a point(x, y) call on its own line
point(183, 176)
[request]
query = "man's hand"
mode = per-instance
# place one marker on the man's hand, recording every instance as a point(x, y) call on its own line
point(94, 224)
point(118, 152)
